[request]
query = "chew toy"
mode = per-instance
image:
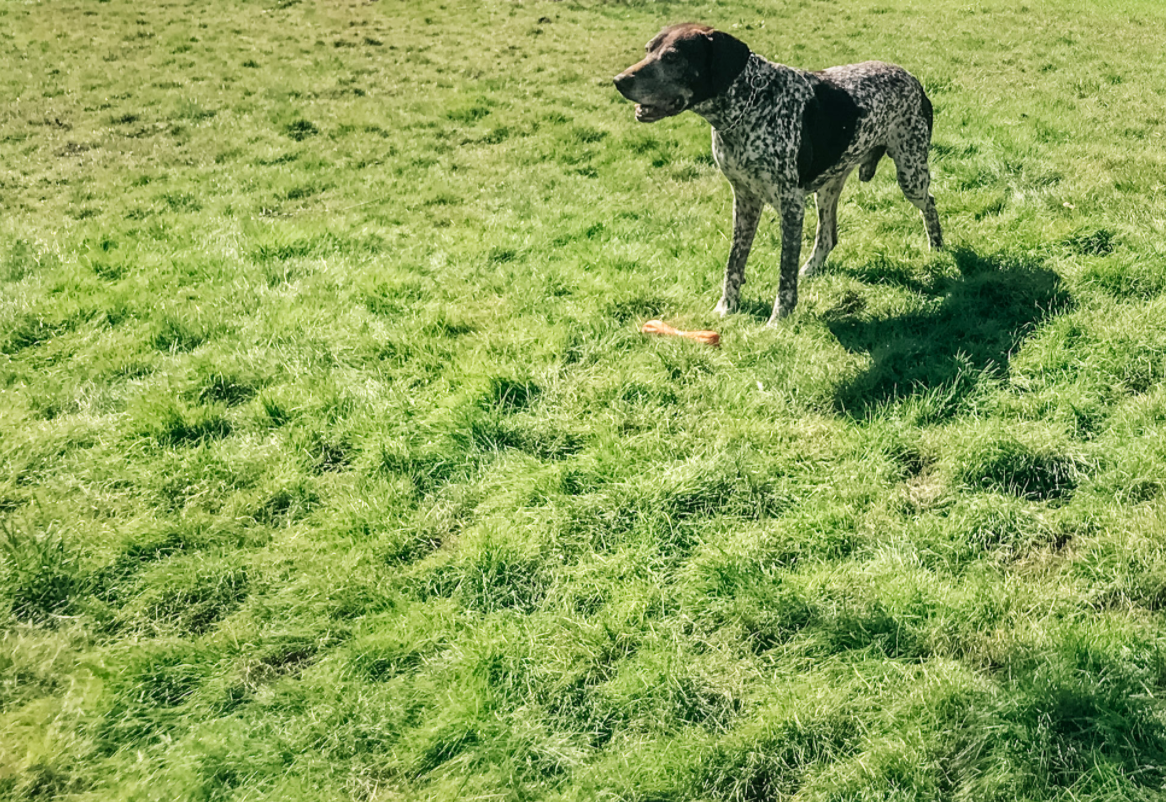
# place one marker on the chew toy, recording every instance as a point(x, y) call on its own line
point(660, 327)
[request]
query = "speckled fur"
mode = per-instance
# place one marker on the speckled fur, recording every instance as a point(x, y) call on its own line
point(780, 133)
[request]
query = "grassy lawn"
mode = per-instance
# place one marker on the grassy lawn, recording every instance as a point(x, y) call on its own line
point(333, 465)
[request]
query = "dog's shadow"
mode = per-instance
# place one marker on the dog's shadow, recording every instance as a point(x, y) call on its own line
point(969, 328)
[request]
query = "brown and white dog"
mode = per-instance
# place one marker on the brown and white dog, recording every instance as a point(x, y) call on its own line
point(780, 133)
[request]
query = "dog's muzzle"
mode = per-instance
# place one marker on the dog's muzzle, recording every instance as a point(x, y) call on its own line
point(647, 112)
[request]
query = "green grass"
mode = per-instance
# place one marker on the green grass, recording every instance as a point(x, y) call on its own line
point(333, 465)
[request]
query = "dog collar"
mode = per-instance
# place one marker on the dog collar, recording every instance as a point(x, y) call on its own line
point(752, 76)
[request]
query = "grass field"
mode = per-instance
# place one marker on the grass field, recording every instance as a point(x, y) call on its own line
point(333, 465)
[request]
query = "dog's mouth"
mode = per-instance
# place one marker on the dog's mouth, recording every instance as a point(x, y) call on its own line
point(649, 113)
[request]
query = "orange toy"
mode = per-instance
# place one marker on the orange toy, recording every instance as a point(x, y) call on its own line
point(660, 327)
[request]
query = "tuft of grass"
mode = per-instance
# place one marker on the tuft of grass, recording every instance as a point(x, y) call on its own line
point(1009, 465)
point(300, 129)
point(42, 577)
point(185, 595)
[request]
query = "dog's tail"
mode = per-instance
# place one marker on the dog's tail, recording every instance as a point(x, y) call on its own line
point(928, 112)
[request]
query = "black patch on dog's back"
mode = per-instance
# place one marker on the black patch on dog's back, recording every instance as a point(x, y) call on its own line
point(828, 124)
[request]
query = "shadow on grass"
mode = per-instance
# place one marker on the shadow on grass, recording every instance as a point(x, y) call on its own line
point(969, 328)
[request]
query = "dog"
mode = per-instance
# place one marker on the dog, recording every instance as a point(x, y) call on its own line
point(780, 133)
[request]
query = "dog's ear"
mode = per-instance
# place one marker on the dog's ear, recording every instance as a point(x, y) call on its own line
point(657, 39)
point(728, 56)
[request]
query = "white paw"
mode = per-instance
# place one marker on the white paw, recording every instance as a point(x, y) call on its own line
point(810, 268)
point(780, 312)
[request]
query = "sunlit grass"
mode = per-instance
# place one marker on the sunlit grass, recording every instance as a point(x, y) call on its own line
point(333, 464)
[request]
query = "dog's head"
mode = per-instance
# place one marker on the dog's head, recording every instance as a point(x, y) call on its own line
point(686, 64)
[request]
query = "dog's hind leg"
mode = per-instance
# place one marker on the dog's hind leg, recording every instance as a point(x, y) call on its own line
point(915, 180)
point(827, 236)
point(746, 216)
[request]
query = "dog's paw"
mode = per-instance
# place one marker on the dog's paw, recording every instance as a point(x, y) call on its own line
point(723, 308)
point(779, 314)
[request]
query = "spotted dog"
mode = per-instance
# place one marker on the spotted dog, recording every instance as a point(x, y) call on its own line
point(780, 133)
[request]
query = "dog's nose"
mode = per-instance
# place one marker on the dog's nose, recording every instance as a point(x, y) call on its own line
point(624, 81)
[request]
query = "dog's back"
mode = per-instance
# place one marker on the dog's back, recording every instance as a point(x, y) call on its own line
point(859, 112)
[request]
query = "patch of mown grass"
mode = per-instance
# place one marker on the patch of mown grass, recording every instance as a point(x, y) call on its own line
point(185, 595)
point(333, 464)
point(145, 693)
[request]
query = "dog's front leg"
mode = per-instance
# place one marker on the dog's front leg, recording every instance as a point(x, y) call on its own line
point(793, 215)
point(746, 215)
